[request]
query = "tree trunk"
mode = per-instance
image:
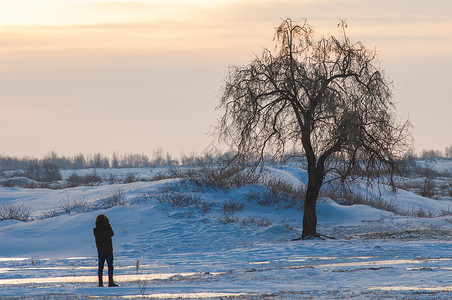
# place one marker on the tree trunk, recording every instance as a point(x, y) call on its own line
point(309, 214)
point(315, 180)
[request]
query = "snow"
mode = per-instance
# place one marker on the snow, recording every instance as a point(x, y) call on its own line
point(186, 252)
point(412, 202)
point(439, 165)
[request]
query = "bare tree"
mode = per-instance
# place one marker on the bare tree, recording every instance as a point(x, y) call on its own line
point(327, 97)
point(449, 152)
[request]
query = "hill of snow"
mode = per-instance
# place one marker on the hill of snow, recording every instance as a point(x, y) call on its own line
point(221, 243)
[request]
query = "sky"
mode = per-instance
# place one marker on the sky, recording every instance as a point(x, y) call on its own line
point(89, 76)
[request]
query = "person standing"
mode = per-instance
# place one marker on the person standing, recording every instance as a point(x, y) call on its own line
point(103, 234)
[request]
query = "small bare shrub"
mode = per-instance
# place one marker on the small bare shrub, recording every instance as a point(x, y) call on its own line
point(428, 188)
point(8, 183)
point(74, 180)
point(116, 199)
point(142, 197)
point(16, 182)
point(185, 200)
point(380, 203)
point(51, 213)
point(92, 179)
point(33, 185)
point(18, 212)
point(444, 189)
point(66, 205)
point(280, 193)
point(130, 177)
point(172, 173)
point(420, 213)
point(232, 206)
point(447, 212)
point(228, 219)
point(205, 207)
point(89, 179)
point(220, 178)
point(178, 199)
point(81, 205)
point(112, 179)
point(257, 221)
point(75, 205)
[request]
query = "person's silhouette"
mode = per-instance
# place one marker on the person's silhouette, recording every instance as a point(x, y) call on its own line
point(104, 245)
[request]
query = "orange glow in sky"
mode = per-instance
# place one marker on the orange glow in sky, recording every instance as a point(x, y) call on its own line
point(133, 76)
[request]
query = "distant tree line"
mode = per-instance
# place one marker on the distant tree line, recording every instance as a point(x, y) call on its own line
point(98, 160)
point(435, 154)
point(79, 161)
point(158, 159)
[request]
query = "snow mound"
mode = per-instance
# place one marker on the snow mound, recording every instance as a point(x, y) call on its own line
point(412, 203)
point(293, 175)
point(276, 230)
point(329, 211)
point(275, 233)
point(5, 223)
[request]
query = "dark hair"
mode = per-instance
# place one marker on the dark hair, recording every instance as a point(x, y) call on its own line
point(102, 220)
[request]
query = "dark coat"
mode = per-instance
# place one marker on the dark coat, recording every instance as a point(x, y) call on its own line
point(103, 233)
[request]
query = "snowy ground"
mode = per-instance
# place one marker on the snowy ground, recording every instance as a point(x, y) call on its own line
point(192, 252)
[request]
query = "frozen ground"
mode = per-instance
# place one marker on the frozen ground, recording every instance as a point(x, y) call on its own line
point(195, 252)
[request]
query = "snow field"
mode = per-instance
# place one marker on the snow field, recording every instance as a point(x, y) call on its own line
point(167, 252)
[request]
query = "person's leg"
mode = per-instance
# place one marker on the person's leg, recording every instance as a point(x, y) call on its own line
point(100, 270)
point(109, 258)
